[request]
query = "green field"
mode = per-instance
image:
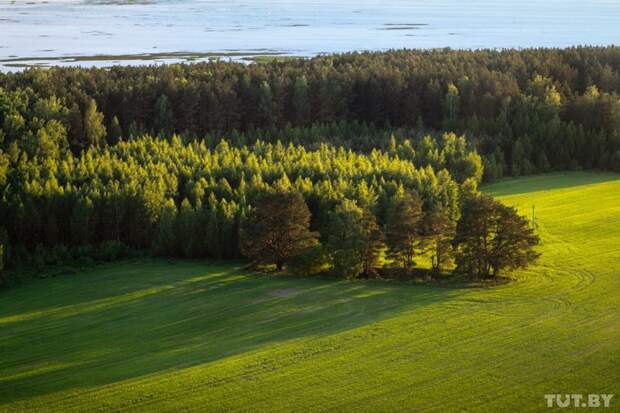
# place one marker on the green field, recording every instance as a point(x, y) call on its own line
point(190, 336)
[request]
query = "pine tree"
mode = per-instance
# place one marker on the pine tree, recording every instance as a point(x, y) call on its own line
point(94, 130)
point(355, 241)
point(76, 129)
point(166, 243)
point(277, 229)
point(451, 107)
point(438, 232)
point(164, 118)
point(265, 105)
point(187, 230)
point(4, 249)
point(116, 132)
point(301, 100)
point(213, 232)
point(80, 222)
point(404, 230)
point(491, 237)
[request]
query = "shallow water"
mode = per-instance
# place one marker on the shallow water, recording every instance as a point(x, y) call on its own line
point(106, 32)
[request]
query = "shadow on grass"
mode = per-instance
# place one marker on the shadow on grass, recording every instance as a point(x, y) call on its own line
point(170, 316)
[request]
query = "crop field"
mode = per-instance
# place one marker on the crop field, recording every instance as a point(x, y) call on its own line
point(159, 335)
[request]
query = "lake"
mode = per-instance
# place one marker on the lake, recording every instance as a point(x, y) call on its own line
point(107, 32)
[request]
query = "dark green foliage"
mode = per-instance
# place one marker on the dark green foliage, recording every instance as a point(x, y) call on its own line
point(438, 230)
point(310, 262)
point(164, 118)
point(355, 241)
point(277, 229)
point(350, 132)
point(491, 237)
point(115, 131)
point(167, 243)
point(76, 128)
point(110, 251)
point(562, 103)
point(3, 249)
point(301, 100)
point(404, 229)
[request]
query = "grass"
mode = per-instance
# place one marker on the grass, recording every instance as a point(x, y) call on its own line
point(189, 336)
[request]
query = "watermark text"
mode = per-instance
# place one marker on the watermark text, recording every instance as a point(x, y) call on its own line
point(578, 400)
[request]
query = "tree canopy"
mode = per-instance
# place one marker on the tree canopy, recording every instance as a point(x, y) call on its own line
point(491, 237)
point(277, 229)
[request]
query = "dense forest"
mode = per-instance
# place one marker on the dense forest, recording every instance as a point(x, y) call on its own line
point(178, 160)
point(526, 111)
point(186, 199)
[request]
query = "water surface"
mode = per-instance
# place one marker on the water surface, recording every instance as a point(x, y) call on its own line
point(106, 32)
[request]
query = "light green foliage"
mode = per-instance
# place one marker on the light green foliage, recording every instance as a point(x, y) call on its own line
point(187, 336)
point(404, 229)
point(94, 130)
point(355, 241)
point(451, 106)
point(118, 192)
point(116, 132)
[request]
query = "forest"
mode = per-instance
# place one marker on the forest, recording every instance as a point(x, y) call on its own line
point(377, 157)
point(525, 111)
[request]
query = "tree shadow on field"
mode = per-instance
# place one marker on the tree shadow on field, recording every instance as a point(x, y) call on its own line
point(195, 314)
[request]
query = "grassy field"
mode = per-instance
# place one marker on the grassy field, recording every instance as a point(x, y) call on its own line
point(189, 336)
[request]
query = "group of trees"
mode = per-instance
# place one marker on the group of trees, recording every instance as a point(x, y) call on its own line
point(287, 204)
point(187, 199)
point(525, 111)
point(486, 238)
point(385, 150)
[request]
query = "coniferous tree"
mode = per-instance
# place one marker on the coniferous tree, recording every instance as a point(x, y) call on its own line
point(213, 233)
point(277, 229)
point(76, 129)
point(187, 224)
point(116, 132)
point(265, 105)
point(355, 241)
point(438, 230)
point(164, 119)
point(404, 230)
point(94, 130)
point(166, 243)
point(3, 248)
point(491, 237)
point(301, 100)
point(80, 222)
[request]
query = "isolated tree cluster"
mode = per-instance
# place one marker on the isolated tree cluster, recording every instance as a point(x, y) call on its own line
point(488, 237)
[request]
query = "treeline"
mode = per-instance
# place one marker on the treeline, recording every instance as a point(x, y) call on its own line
point(184, 199)
point(526, 111)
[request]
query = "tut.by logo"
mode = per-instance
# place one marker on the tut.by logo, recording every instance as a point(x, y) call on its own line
point(578, 400)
